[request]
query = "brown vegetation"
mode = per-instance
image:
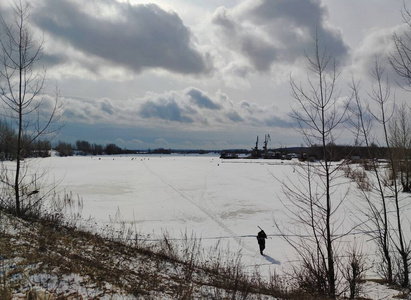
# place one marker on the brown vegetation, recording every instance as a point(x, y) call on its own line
point(67, 263)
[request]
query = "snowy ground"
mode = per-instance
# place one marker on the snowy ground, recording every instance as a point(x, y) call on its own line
point(212, 199)
point(216, 200)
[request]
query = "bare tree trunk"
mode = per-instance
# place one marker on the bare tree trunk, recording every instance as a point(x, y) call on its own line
point(400, 60)
point(381, 97)
point(20, 111)
point(318, 119)
point(21, 91)
point(400, 140)
point(326, 160)
point(363, 127)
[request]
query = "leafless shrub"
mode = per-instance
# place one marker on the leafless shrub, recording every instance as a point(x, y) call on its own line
point(354, 271)
point(310, 277)
point(347, 170)
point(278, 284)
point(358, 175)
point(361, 179)
point(399, 276)
point(367, 164)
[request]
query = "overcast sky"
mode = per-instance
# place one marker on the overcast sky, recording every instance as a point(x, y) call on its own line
point(198, 74)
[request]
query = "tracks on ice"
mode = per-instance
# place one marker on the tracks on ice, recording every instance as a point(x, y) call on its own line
point(204, 210)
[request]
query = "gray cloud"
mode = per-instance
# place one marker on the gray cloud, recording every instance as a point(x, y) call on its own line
point(259, 52)
point(274, 121)
point(276, 31)
point(301, 13)
point(201, 99)
point(234, 116)
point(106, 106)
point(378, 45)
point(174, 109)
point(167, 110)
point(137, 37)
point(138, 123)
point(54, 59)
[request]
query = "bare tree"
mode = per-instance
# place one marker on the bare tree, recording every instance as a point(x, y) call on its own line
point(21, 90)
point(381, 96)
point(376, 211)
point(319, 114)
point(389, 226)
point(400, 141)
point(400, 58)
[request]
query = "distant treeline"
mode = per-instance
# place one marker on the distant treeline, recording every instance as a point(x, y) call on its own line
point(29, 148)
point(339, 152)
point(315, 152)
point(42, 148)
point(86, 148)
point(334, 152)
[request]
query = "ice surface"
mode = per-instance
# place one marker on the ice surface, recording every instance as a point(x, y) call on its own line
point(204, 196)
point(216, 200)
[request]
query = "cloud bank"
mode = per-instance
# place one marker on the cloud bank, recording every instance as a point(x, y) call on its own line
point(190, 109)
point(269, 32)
point(135, 37)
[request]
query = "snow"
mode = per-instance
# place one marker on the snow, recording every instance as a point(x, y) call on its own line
point(198, 195)
point(201, 195)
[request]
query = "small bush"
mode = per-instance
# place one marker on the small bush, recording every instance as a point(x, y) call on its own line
point(354, 271)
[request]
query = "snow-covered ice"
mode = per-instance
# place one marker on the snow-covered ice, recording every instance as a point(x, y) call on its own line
point(202, 195)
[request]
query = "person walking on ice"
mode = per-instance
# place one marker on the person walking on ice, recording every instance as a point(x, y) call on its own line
point(261, 236)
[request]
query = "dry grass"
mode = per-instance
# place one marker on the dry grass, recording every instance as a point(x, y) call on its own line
point(66, 263)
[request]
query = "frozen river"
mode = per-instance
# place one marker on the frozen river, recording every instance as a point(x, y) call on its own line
point(212, 199)
point(219, 201)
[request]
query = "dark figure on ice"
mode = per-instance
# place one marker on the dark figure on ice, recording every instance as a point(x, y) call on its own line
point(261, 236)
